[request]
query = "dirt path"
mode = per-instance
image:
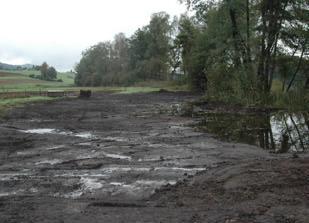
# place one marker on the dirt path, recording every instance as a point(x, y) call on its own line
point(123, 158)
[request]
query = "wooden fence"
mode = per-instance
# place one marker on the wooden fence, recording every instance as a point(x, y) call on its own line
point(25, 94)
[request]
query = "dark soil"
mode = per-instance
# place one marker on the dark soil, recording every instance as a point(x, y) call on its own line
point(126, 158)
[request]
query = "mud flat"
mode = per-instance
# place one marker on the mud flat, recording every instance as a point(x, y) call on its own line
point(126, 158)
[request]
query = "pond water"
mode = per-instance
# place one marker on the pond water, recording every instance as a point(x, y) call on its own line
point(279, 132)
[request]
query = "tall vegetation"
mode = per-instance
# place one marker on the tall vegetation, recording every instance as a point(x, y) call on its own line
point(243, 46)
point(235, 48)
point(104, 64)
point(48, 73)
point(144, 56)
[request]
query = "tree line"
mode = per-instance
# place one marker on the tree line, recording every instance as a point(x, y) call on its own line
point(123, 61)
point(47, 72)
point(227, 47)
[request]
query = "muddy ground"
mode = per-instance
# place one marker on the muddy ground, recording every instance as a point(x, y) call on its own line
point(127, 158)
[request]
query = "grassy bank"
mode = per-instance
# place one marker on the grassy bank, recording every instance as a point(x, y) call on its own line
point(296, 100)
point(6, 104)
point(19, 81)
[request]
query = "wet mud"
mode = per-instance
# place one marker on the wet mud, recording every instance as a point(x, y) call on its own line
point(128, 158)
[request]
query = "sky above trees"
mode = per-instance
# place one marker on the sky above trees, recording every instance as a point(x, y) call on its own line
point(57, 31)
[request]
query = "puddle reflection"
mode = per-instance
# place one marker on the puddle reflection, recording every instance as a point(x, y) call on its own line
point(278, 132)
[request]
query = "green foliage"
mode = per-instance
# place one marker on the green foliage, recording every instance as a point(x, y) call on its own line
point(150, 48)
point(47, 73)
point(234, 50)
point(103, 64)
point(144, 56)
point(186, 40)
point(51, 73)
point(241, 47)
point(297, 100)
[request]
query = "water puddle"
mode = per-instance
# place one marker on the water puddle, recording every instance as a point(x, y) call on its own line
point(278, 132)
point(41, 120)
point(96, 154)
point(8, 178)
point(73, 195)
point(55, 147)
point(91, 184)
point(110, 170)
point(84, 135)
point(37, 150)
point(12, 176)
point(139, 187)
point(12, 193)
point(39, 131)
point(115, 139)
point(88, 185)
point(25, 153)
point(81, 175)
point(179, 169)
point(51, 162)
point(85, 144)
point(117, 156)
point(141, 183)
point(150, 159)
point(33, 190)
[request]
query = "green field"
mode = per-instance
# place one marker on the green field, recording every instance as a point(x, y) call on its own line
point(15, 81)
point(20, 81)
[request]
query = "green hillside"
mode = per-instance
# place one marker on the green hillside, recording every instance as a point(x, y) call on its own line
point(19, 80)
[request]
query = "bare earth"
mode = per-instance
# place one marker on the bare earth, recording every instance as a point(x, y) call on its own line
point(125, 158)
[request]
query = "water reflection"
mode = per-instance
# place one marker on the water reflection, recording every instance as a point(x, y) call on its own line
point(278, 132)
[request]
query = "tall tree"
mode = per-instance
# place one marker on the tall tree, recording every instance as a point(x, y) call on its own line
point(44, 69)
point(51, 73)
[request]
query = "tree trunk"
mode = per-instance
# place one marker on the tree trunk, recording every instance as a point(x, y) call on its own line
point(237, 60)
point(297, 68)
point(271, 16)
point(307, 83)
point(239, 44)
point(248, 31)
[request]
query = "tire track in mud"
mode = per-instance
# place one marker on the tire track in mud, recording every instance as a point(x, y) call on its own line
point(119, 162)
point(118, 158)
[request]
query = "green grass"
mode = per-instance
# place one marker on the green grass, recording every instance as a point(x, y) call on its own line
point(24, 72)
point(276, 86)
point(6, 104)
point(20, 80)
point(133, 90)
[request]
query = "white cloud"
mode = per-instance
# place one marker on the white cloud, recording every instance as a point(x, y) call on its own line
point(43, 29)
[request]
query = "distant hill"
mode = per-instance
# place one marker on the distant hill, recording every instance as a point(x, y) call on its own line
point(4, 66)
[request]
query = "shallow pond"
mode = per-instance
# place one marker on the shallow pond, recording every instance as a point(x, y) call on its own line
point(278, 132)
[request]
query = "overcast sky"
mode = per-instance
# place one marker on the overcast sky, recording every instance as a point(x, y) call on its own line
point(57, 31)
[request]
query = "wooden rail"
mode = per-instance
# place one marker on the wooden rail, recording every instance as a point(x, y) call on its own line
point(25, 94)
